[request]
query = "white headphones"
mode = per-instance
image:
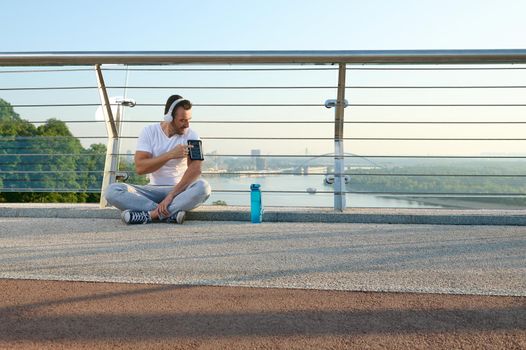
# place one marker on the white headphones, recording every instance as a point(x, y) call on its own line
point(168, 116)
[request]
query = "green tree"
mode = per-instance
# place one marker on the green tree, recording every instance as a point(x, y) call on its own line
point(35, 161)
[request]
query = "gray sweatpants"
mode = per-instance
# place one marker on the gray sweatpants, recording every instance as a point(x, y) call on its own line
point(146, 198)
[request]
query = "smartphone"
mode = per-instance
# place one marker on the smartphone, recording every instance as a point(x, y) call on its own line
point(196, 151)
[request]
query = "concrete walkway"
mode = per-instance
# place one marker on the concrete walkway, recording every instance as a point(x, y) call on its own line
point(486, 260)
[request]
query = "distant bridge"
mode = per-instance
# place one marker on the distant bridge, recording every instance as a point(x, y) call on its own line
point(303, 167)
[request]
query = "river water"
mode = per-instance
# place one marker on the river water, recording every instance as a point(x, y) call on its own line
point(297, 183)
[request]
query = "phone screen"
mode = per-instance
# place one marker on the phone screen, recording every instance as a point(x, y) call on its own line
point(196, 151)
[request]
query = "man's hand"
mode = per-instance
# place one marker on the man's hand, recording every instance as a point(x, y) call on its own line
point(180, 151)
point(162, 208)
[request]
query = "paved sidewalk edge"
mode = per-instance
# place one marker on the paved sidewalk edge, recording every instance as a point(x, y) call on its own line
point(373, 216)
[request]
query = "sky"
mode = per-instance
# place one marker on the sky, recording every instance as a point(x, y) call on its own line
point(281, 25)
point(58, 25)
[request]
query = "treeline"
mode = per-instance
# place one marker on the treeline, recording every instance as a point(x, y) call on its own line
point(46, 163)
point(500, 183)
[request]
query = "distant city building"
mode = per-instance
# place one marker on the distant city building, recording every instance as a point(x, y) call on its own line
point(259, 162)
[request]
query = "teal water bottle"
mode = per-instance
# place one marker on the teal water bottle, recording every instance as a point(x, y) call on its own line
point(256, 209)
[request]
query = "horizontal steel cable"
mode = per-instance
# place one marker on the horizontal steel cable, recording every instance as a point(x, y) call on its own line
point(293, 174)
point(350, 68)
point(291, 155)
point(276, 105)
point(44, 88)
point(294, 122)
point(434, 194)
point(289, 138)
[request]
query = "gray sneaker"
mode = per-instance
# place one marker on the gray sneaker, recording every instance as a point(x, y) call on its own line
point(179, 217)
point(130, 217)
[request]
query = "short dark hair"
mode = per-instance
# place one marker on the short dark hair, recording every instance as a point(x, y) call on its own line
point(185, 104)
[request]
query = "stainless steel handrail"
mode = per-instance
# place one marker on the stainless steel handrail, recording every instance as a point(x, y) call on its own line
point(73, 58)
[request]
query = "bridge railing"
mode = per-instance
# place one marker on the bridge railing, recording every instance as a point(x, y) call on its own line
point(26, 159)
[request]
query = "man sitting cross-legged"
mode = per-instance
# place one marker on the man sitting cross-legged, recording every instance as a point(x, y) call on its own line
point(163, 153)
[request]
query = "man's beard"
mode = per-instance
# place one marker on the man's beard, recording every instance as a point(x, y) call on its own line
point(180, 131)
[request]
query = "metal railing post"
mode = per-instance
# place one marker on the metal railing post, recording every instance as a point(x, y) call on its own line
point(112, 148)
point(339, 160)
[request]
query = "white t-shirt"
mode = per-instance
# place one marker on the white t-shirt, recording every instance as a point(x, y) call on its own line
point(153, 140)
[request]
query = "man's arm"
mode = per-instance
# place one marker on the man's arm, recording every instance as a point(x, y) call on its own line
point(146, 164)
point(191, 174)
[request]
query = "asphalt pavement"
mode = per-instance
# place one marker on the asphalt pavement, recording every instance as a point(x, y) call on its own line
point(451, 259)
